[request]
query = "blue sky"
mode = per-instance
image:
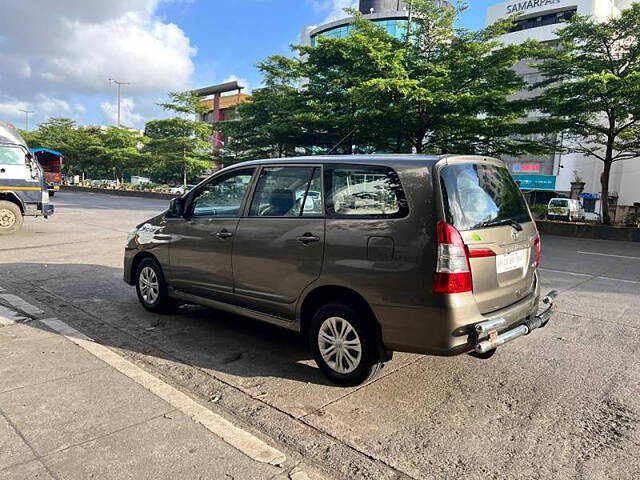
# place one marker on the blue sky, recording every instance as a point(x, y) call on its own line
point(231, 38)
point(157, 45)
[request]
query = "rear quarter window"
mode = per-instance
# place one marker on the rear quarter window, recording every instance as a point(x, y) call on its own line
point(479, 195)
point(364, 191)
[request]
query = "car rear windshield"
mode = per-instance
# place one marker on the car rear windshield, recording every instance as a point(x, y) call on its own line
point(480, 196)
point(559, 203)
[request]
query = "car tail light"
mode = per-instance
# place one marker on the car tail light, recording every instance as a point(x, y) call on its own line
point(538, 244)
point(453, 272)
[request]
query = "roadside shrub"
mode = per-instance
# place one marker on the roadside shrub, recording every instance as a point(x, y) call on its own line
point(539, 209)
point(633, 219)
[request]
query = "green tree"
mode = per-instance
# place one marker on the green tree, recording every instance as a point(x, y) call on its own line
point(181, 146)
point(592, 90)
point(77, 144)
point(267, 126)
point(118, 152)
point(450, 89)
point(436, 89)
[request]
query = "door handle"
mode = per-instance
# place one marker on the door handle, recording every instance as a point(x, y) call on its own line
point(224, 234)
point(308, 238)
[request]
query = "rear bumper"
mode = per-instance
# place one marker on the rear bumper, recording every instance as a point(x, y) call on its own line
point(448, 328)
point(490, 335)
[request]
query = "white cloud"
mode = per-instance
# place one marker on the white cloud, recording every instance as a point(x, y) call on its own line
point(42, 105)
point(333, 9)
point(128, 117)
point(243, 82)
point(72, 47)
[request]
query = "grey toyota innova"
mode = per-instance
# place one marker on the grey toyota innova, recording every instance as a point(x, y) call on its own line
point(364, 255)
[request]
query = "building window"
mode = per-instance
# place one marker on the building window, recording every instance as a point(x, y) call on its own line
point(397, 28)
point(542, 20)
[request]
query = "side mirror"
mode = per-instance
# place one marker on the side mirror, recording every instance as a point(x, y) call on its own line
point(176, 207)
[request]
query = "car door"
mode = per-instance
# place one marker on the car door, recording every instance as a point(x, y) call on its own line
point(202, 241)
point(279, 244)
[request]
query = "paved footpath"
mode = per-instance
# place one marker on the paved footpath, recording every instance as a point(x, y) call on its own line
point(71, 408)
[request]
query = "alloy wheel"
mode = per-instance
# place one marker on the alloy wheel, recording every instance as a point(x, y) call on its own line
point(149, 285)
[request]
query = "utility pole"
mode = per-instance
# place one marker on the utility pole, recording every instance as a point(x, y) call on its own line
point(26, 117)
point(119, 84)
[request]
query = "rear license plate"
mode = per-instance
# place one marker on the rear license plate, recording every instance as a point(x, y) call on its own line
point(510, 261)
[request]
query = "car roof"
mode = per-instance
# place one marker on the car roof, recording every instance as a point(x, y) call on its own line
point(390, 160)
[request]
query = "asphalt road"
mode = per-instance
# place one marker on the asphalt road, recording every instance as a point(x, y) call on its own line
point(562, 403)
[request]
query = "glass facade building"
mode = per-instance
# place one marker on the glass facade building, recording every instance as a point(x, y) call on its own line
point(396, 27)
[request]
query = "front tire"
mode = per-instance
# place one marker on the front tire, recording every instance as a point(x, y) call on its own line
point(343, 345)
point(151, 287)
point(11, 218)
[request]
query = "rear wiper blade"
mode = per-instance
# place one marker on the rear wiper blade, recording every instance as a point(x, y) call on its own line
point(506, 221)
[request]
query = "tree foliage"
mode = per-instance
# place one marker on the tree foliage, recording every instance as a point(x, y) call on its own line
point(180, 146)
point(437, 89)
point(592, 90)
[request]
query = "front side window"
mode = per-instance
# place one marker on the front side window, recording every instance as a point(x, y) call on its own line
point(222, 197)
point(11, 156)
point(365, 192)
point(479, 196)
point(288, 192)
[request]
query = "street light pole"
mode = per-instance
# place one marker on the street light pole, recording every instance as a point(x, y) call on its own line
point(26, 117)
point(119, 84)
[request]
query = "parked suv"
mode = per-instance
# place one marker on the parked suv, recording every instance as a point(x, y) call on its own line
point(365, 255)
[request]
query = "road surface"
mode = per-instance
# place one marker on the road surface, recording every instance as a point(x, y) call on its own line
point(562, 403)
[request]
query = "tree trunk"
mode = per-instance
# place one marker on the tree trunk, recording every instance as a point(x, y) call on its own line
point(604, 181)
point(184, 167)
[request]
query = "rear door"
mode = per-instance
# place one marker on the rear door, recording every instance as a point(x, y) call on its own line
point(483, 202)
point(279, 245)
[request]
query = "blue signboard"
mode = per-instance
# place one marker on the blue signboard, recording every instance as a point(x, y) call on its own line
point(536, 182)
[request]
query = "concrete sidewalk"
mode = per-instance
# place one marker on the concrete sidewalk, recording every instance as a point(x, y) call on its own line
point(66, 414)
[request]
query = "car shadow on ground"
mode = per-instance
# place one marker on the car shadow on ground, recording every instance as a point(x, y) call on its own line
point(95, 300)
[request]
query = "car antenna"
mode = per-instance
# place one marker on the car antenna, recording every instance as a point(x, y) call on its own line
point(342, 140)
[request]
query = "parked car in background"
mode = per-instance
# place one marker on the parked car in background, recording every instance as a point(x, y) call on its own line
point(565, 209)
point(423, 254)
point(180, 189)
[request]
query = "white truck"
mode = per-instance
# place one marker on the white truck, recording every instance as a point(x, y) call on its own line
point(23, 188)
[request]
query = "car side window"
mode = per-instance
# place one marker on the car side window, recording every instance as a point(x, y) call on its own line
point(222, 197)
point(365, 192)
point(288, 192)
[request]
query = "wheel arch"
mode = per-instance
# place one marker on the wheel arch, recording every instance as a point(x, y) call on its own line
point(327, 293)
point(12, 197)
point(136, 262)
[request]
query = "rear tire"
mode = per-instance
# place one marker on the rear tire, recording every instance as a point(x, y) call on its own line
point(11, 218)
point(343, 345)
point(151, 287)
